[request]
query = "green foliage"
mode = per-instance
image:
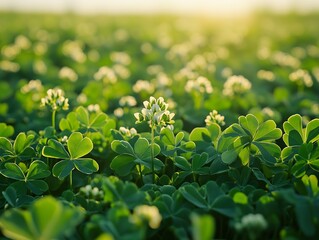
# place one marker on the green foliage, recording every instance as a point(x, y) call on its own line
point(249, 137)
point(237, 177)
point(72, 159)
point(20, 150)
point(28, 177)
point(130, 156)
point(46, 218)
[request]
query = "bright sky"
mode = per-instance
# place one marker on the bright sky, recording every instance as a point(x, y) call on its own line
point(151, 6)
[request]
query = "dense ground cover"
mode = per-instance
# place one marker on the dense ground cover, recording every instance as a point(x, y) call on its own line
point(156, 127)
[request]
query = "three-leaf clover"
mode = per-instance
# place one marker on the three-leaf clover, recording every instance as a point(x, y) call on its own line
point(69, 160)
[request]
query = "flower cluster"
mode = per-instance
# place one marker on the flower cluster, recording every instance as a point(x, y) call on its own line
point(143, 85)
point(106, 75)
point(201, 85)
point(266, 75)
point(92, 192)
point(128, 101)
point(215, 117)
point(155, 112)
point(68, 74)
point(236, 85)
point(128, 132)
point(301, 77)
point(149, 213)
point(254, 224)
point(56, 100)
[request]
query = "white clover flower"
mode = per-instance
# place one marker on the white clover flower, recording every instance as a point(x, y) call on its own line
point(64, 139)
point(40, 67)
point(55, 100)
point(215, 117)
point(40, 48)
point(268, 112)
point(154, 69)
point(155, 112)
point(22, 42)
point(266, 75)
point(92, 192)
point(119, 112)
point(105, 74)
point(252, 222)
point(201, 85)
point(68, 74)
point(146, 48)
point(301, 77)
point(9, 66)
point(121, 58)
point(185, 73)
point(94, 108)
point(227, 72)
point(128, 132)
point(149, 213)
point(32, 86)
point(73, 49)
point(10, 51)
point(236, 85)
point(143, 85)
point(121, 71)
point(285, 60)
point(82, 98)
point(163, 80)
point(128, 101)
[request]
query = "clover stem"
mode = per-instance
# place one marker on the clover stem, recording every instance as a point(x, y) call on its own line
point(152, 153)
point(53, 118)
point(71, 180)
point(140, 172)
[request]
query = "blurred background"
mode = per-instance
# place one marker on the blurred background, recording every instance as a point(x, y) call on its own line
point(168, 6)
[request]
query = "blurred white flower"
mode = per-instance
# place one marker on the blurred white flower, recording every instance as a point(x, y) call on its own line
point(301, 77)
point(32, 86)
point(106, 75)
point(119, 112)
point(266, 75)
point(121, 58)
point(68, 74)
point(9, 66)
point(150, 213)
point(143, 85)
point(236, 85)
point(201, 85)
point(128, 101)
point(94, 108)
point(73, 49)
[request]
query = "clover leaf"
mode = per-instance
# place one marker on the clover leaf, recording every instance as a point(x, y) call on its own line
point(28, 177)
point(46, 218)
point(77, 147)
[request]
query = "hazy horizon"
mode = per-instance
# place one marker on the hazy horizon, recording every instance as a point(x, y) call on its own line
point(160, 6)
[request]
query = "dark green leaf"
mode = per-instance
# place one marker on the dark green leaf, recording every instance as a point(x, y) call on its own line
point(55, 149)
point(13, 171)
point(63, 168)
point(38, 170)
point(86, 165)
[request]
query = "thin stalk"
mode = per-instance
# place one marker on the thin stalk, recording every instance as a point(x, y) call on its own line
point(152, 153)
point(71, 181)
point(140, 172)
point(53, 118)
